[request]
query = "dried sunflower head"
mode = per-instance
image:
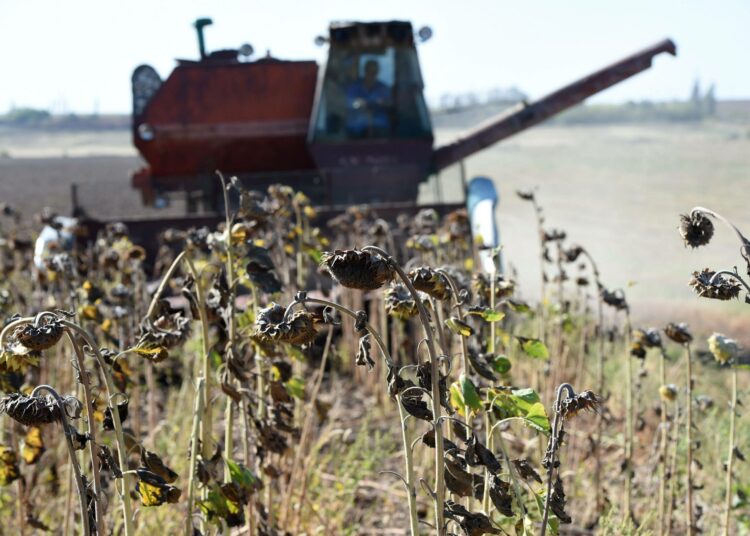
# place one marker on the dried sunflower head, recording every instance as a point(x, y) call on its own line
point(614, 299)
point(35, 338)
point(399, 302)
point(696, 229)
point(425, 221)
point(723, 348)
point(268, 320)
point(709, 285)
point(171, 328)
point(571, 254)
point(30, 410)
point(525, 195)
point(252, 206)
point(638, 350)
point(357, 269)
point(456, 225)
point(678, 333)
point(648, 338)
point(297, 329)
point(583, 401)
point(668, 392)
point(481, 285)
point(553, 235)
point(430, 282)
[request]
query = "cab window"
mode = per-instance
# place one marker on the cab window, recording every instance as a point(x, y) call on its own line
point(371, 94)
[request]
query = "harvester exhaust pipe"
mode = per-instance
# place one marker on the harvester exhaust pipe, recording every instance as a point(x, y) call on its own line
point(525, 115)
point(199, 25)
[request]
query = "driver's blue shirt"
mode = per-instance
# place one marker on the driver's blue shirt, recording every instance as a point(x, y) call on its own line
point(374, 115)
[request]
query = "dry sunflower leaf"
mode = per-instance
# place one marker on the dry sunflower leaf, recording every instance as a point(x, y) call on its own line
point(472, 523)
point(156, 465)
point(9, 471)
point(33, 445)
point(153, 490)
point(122, 410)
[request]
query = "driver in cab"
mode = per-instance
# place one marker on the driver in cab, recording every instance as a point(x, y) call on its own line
point(368, 100)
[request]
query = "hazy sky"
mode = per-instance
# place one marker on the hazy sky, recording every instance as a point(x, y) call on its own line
point(77, 55)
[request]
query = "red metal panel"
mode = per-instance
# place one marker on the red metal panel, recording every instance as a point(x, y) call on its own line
point(237, 117)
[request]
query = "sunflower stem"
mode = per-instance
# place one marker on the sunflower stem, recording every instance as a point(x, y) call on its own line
point(662, 446)
point(730, 459)
point(689, 438)
point(91, 424)
point(410, 479)
point(68, 433)
point(197, 413)
point(127, 509)
point(436, 397)
point(554, 445)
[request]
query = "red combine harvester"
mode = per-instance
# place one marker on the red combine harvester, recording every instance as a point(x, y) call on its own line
point(356, 130)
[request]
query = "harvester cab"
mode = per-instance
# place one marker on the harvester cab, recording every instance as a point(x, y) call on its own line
point(370, 132)
point(356, 131)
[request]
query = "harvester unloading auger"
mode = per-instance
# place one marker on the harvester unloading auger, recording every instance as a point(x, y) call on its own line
point(356, 131)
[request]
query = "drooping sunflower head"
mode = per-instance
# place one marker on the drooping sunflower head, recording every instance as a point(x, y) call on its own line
point(430, 282)
point(707, 284)
point(357, 269)
point(583, 401)
point(696, 229)
point(30, 410)
point(678, 333)
point(399, 302)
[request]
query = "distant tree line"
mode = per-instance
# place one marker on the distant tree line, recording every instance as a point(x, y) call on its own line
point(40, 118)
point(459, 101)
point(699, 105)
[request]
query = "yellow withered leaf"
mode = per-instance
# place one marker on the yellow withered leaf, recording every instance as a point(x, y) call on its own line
point(155, 354)
point(8, 466)
point(33, 445)
point(150, 495)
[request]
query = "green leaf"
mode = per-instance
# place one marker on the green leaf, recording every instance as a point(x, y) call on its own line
point(215, 358)
point(296, 387)
point(246, 319)
point(315, 254)
point(533, 348)
point(501, 364)
point(518, 306)
point(567, 323)
point(295, 353)
point(214, 506)
point(241, 475)
point(492, 316)
point(470, 394)
point(525, 397)
point(536, 417)
point(457, 399)
point(459, 327)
